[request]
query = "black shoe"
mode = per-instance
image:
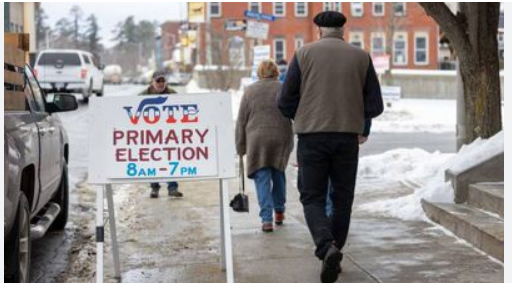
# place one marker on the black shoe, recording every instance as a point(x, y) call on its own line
point(331, 265)
point(154, 193)
point(173, 192)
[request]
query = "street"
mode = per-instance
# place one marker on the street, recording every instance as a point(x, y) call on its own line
point(70, 256)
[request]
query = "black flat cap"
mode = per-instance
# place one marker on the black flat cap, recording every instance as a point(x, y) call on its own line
point(330, 19)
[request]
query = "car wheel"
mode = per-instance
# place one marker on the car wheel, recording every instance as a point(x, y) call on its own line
point(100, 92)
point(18, 246)
point(62, 199)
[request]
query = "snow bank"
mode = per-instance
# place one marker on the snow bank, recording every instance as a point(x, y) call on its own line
point(427, 170)
point(416, 165)
point(477, 152)
point(402, 164)
point(417, 115)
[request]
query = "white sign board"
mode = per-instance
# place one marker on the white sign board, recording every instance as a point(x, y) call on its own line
point(381, 63)
point(391, 92)
point(257, 30)
point(260, 53)
point(161, 137)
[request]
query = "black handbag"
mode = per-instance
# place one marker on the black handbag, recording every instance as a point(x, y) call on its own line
point(240, 203)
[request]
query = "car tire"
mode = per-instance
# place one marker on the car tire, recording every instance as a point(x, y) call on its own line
point(18, 246)
point(100, 92)
point(88, 94)
point(62, 199)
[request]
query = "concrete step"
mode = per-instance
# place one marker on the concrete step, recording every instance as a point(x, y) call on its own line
point(487, 196)
point(482, 230)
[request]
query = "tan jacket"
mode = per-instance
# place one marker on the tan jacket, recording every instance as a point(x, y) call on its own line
point(333, 75)
point(262, 132)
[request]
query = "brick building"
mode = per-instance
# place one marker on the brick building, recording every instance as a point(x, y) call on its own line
point(400, 29)
point(170, 38)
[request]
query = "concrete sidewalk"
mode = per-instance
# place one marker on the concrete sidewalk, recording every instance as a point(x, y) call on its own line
point(178, 240)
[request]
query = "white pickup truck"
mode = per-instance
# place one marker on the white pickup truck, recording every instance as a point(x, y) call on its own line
point(72, 71)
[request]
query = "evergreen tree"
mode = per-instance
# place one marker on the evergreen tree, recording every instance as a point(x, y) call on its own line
point(92, 37)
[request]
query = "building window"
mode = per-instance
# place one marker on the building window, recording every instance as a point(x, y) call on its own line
point(336, 6)
point(400, 49)
point(255, 7)
point(421, 49)
point(301, 9)
point(357, 9)
point(378, 44)
point(279, 49)
point(378, 8)
point(299, 42)
point(279, 9)
point(357, 39)
point(327, 6)
point(215, 9)
point(399, 8)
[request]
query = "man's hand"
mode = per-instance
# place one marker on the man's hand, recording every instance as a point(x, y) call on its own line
point(362, 139)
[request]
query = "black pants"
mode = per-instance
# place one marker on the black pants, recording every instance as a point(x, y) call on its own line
point(324, 156)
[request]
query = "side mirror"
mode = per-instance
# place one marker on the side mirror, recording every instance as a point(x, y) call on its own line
point(101, 66)
point(62, 102)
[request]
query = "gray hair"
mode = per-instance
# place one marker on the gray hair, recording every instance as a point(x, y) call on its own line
point(330, 30)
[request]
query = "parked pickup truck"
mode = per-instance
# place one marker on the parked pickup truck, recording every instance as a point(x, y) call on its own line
point(36, 154)
point(73, 71)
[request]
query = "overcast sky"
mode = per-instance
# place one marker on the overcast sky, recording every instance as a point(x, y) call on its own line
point(110, 13)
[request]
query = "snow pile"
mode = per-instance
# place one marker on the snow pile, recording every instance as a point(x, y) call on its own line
point(477, 152)
point(428, 170)
point(416, 165)
point(417, 115)
point(402, 164)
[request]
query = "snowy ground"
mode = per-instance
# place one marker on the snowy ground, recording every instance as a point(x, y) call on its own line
point(425, 172)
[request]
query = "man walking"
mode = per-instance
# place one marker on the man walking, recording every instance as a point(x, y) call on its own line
point(331, 91)
point(159, 86)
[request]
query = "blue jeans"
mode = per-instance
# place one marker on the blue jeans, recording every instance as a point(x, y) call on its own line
point(169, 185)
point(271, 189)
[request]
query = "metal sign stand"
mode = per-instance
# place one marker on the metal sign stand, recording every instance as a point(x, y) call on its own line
point(100, 233)
point(225, 230)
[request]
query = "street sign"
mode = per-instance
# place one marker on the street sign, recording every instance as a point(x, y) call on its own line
point(259, 16)
point(260, 53)
point(196, 12)
point(161, 138)
point(257, 30)
point(234, 25)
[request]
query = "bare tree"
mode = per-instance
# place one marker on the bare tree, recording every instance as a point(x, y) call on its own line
point(227, 58)
point(472, 33)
